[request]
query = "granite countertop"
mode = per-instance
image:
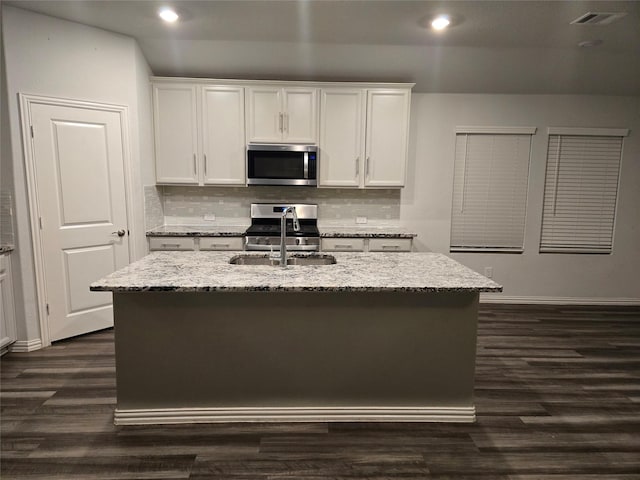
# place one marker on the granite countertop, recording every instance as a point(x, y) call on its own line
point(371, 231)
point(6, 249)
point(198, 231)
point(364, 231)
point(211, 271)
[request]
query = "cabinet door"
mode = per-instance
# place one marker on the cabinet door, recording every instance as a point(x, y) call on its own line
point(338, 244)
point(175, 130)
point(390, 244)
point(386, 137)
point(223, 135)
point(7, 314)
point(222, 243)
point(341, 137)
point(300, 115)
point(265, 118)
point(171, 243)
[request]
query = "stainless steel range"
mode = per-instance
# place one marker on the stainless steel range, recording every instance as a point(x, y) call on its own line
point(265, 233)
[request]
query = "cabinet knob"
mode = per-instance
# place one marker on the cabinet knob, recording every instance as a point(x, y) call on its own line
point(120, 233)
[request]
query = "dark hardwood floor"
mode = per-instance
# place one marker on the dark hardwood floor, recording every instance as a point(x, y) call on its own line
point(557, 394)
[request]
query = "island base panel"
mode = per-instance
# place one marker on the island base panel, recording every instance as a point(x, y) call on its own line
point(297, 356)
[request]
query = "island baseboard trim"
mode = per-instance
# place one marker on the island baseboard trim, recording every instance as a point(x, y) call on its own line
point(294, 414)
point(497, 299)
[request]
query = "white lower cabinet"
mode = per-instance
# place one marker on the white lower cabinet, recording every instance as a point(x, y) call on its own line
point(390, 244)
point(195, 243)
point(356, 244)
point(342, 244)
point(221, 243)
point(8, 333)
point(172, 243)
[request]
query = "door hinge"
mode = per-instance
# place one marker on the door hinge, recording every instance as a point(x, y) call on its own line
point(31, 128)
point(47, 309)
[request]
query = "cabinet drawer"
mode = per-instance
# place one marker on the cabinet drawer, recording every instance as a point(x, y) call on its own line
point(343, 244)
point(222, 243)
point(390, 244)
point(171, 243)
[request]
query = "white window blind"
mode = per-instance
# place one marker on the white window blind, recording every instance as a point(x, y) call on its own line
point(491, 175)
point(581, 190)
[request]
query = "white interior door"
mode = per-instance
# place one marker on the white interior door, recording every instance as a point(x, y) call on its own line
point(79, 174)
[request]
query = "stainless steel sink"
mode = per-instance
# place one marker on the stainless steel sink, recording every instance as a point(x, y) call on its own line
point(319, 259)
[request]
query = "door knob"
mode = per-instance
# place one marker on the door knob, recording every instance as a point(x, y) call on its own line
point(120, 233)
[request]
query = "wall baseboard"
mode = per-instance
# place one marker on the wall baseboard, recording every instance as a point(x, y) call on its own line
point(496, 299)
point(294, 414)
point(21, 346)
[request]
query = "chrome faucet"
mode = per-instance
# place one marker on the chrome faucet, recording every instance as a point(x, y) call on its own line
point(283, 232)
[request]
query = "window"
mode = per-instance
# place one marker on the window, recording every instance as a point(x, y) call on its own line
point(581, 190)
point(491, 175)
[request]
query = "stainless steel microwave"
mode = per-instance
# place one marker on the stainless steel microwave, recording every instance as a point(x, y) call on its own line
point(282, 165)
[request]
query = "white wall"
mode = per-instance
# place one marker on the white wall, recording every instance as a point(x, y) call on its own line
point(426, 201)
point(51, 57)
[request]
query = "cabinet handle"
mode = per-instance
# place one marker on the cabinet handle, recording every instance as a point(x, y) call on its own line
point(357, 166)
point(170, 245)
point(366, 170)
point(344, 246)
point(220, 245)
point(205, 165)
point(286, 122)
point(280, 122)
point(390, 247)
point(195, 168)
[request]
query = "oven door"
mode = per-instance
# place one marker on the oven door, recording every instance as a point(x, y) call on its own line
point(282, 165)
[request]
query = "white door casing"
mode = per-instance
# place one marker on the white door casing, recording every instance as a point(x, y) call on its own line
point(77, 157)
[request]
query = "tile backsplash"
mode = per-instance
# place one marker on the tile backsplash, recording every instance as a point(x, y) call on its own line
point(153, 210)
point(230, 205)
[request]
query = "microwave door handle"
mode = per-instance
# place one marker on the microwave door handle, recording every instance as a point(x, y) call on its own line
point(306, 165)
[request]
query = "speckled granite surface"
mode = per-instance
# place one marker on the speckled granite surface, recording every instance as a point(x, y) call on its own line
point(366, 232)
point(211, 271)
point(238, 230)
point(6, 248)
point(198, 231)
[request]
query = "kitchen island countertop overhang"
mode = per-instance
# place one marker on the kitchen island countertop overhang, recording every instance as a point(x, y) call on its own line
point(374, 337)
point(211, 271)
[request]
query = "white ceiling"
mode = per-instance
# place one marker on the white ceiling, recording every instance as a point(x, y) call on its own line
point(495, 46)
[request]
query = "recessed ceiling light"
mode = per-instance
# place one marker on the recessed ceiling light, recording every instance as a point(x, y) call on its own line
point(168, 15)
point(440, 22)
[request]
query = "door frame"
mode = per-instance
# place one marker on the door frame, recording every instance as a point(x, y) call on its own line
point(25, 102)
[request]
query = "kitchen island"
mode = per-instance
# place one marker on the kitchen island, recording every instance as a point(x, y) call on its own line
point(373, 337)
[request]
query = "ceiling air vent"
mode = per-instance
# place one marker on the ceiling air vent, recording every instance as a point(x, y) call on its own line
point(598, 18)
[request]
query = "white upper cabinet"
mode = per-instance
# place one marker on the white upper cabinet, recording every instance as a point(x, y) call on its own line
point(281, 115)
point(386, 137)
point(175, 129)
point(341, 137)
point(223, 143)
point(365, 151)
point(202, 128)
point(199, 134)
